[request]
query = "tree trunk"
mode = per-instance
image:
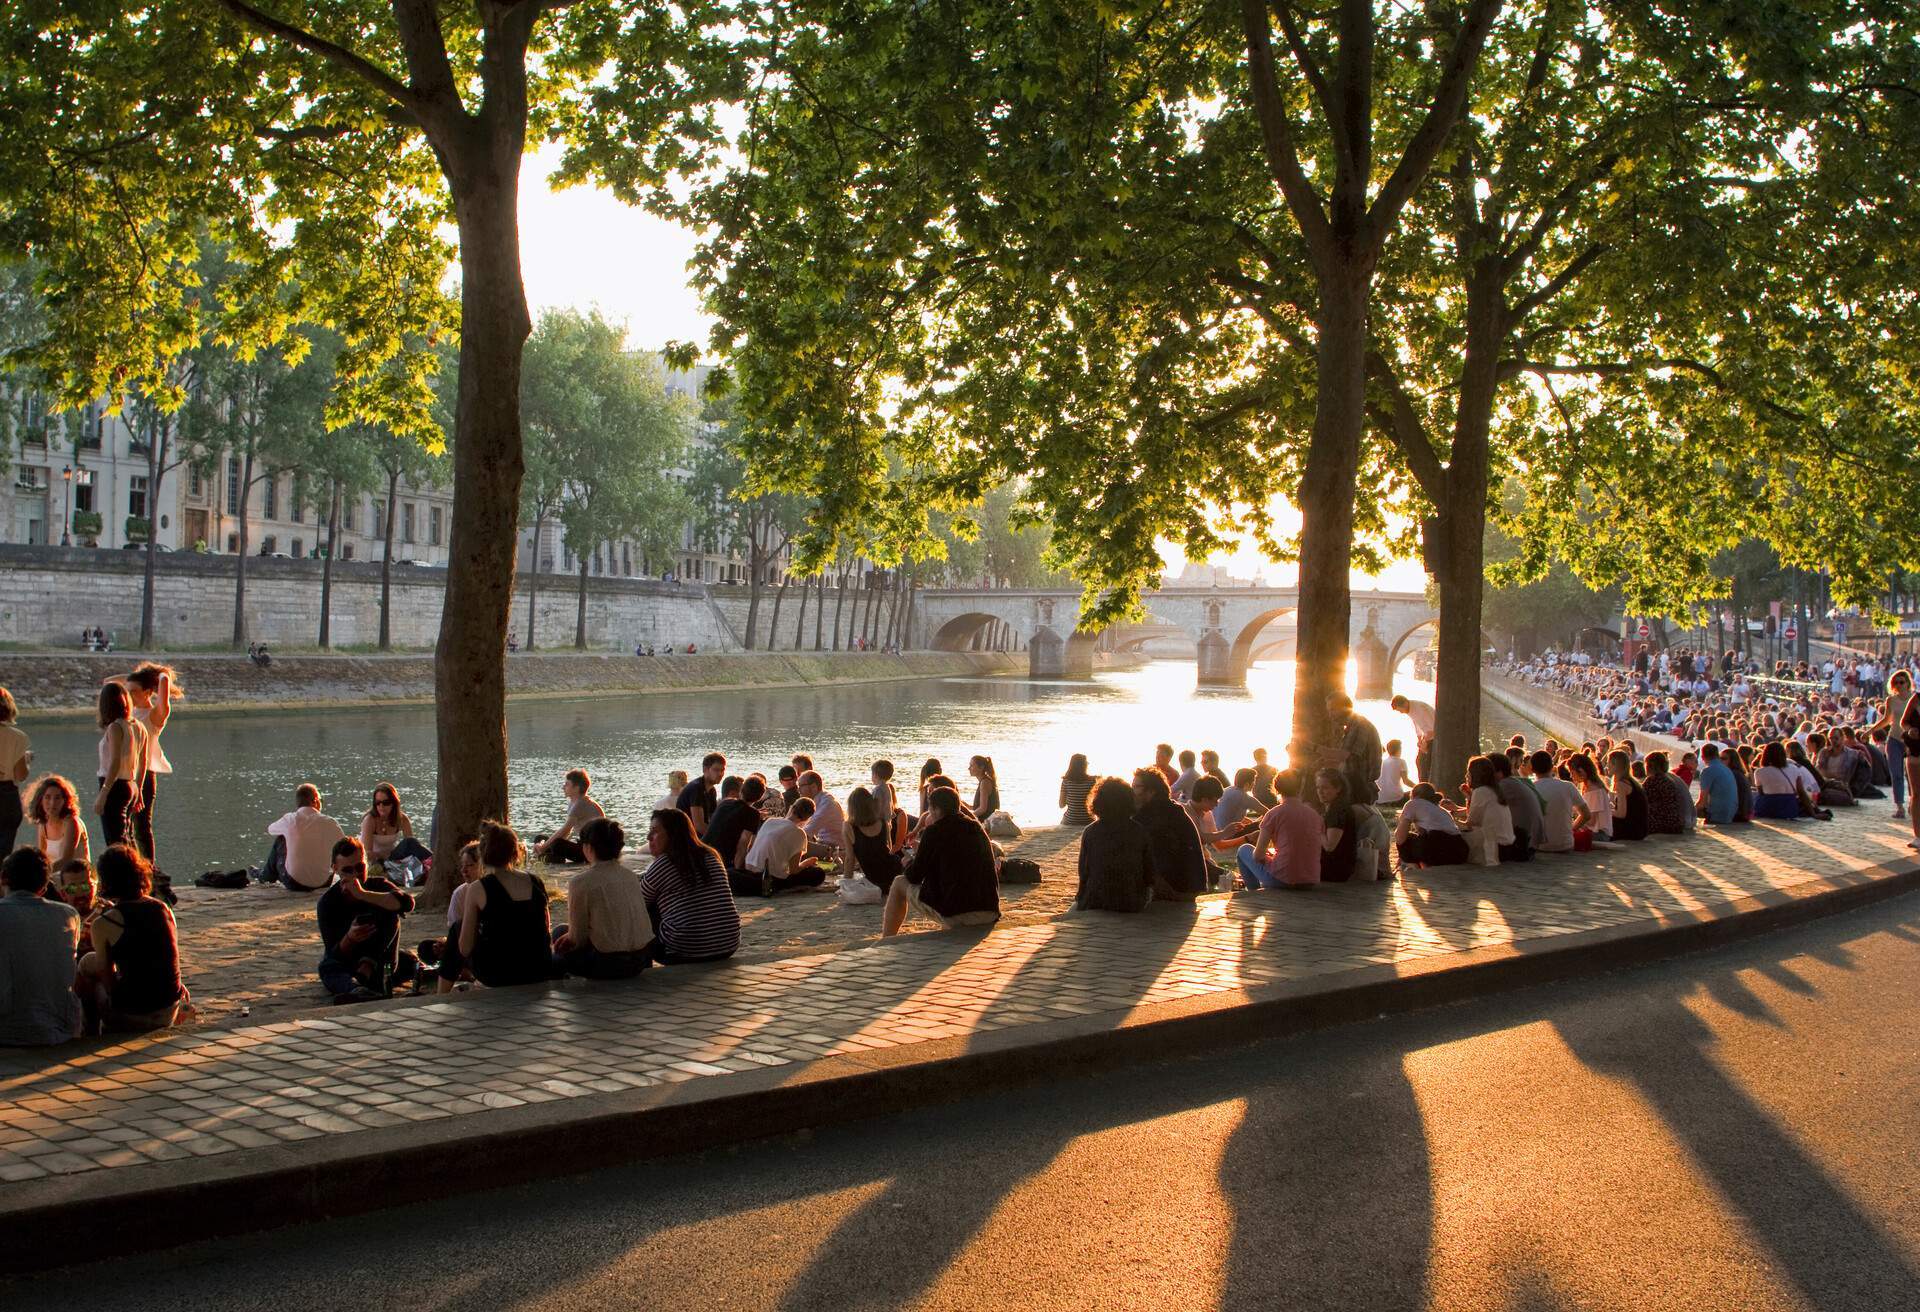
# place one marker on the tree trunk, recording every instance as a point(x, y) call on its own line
point(533, 584)
point(773, 624)
point(800, 620)
point(470, 681)
point(240, 560)
point(1460, 558)
point(580, 611)
point(156, 470)
point(819, 608)
point(326, 568)
point(906, 619)
point(839, 605)
point(386, 563)
point(755, 563)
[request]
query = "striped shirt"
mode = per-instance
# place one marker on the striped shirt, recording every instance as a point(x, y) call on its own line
point(696, 920)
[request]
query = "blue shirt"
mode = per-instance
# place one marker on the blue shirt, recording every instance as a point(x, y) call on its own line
point(1232, 808)
point(38, 939)
point(1722, 793)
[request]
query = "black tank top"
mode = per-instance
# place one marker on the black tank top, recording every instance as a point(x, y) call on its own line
point(878, 864)
point(512, 946)
point(146, 958)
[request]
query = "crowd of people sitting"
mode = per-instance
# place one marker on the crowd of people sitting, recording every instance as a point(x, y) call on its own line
point(90, 945)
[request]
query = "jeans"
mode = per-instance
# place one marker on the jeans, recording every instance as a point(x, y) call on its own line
point(1253, 870)
point(116, 815)
point(143, 818)
point(1896, 766)
point(588, 962)
point(11, 815)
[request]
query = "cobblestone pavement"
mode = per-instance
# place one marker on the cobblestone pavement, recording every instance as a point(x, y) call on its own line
point(253, 1083)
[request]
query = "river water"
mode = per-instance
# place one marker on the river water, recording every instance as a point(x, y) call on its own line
point(235, 771)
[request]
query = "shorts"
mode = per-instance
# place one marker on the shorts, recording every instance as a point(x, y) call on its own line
point(963, 920)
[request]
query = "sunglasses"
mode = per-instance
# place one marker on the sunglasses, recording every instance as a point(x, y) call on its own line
point(356, 868)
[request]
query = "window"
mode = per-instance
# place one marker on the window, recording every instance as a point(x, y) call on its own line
point(196, 485)
point(30, 478)
point(269, 544)
point(297, 500)
point(299, 550)
point(433, 525)
point(82, 492)
point(233, 544)
point(626, 559)
point(233, 485)
point(137, 496)
point(380, 520)
point(406, 522)
point(270, 497)
point(346, 551)
point(346, 517)
point(34, 419)
point(92, 426)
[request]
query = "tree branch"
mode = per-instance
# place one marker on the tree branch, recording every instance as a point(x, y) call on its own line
point(1336, 125)
point(1449, 99)
point(334, 53)
point(1560, 281)
point(1283, 160)
point(418, 24)
point(1408, 432)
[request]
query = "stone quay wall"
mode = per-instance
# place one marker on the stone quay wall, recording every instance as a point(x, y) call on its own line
point(49, 594)
point(63, 684)
point(1568, 718)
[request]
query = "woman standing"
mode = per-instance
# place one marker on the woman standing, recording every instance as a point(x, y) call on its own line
point(505, 934)
point(687, 895)
point(123, 764)
point(151, 687)
point(15, 756)
point(1910, 741)
point(1892, 714)
point(131, 979)
point(54, 809)
point(1075, 785)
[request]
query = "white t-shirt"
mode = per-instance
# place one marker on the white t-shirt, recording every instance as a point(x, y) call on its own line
point(1393, 779)
point(1799, 774)
point(457, 907)
point(13, 750)
point(310, 838)
point(1492, 823)
point(1429, 816)
point(1422, 716)
point(779, 841)
point(829, 822)
point(1557, 799)
point(1599, 803)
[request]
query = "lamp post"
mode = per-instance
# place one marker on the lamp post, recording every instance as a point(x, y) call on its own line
point(66, 516)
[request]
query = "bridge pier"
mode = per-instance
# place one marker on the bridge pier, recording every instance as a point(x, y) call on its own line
point(1375, 669)
point(1218, 669)
point(1050, 656)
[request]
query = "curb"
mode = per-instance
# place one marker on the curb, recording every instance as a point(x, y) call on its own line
point(337, 1176)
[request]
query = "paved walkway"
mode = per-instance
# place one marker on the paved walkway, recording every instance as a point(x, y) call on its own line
point(221, 1091)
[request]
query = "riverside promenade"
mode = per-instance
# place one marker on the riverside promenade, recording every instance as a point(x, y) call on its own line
point(241, 1124)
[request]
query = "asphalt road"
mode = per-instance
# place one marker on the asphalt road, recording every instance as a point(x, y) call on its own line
point(1736, 1130)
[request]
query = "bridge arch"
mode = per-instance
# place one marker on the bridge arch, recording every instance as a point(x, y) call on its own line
point(958, 633)
point(1241, 654)
point(1399, 648)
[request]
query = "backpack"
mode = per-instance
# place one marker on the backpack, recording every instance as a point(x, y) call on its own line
point(1019, 870)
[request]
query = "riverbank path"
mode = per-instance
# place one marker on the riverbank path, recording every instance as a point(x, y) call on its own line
point(246, 1085)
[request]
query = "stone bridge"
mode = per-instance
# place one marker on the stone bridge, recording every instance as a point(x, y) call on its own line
point(1229, 628)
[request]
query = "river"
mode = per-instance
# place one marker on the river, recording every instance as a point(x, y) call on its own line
point(235, 771)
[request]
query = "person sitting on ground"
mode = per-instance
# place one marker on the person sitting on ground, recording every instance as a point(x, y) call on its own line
point(694, 917)
point(1775, 795)
point(1834, 760)
point(676, 784)
point(386, 834)
point(1200, 807)
point(1487, 822)
point(1394, 779)
point(1561, 810)
point(359, 918)
point(952, 880)
point(131, 980)
point(986, 789)
point(1669, 809)
point(1594, 796)
point(38, 942)
point(1523, 804)
point(1163, 764)
point(1182, 786)
point(75, 884)
point(698, 799)
point(827, 829)
point(1338, 836)
point(778, 859)
point(1115, 866)
point(53, 809)
point(1210, 766)
point(1076, 785)
point(443, 954)
point(1374, 842)
point(1825, 789)
point(789, 788)
point(1177, 862)
point(1263, 777)
point(736, 822)
point(1286, 852)
point(801, 763)
point(1237, 805)
point(871, 846)
point(880, 784)
point(301, 858)
point(1742, 761)
point(608, 928)
point(506, 930)
point(1719, 796)
point(1426, 834)
point(562, 846)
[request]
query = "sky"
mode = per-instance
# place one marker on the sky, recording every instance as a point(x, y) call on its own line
point(580, 248)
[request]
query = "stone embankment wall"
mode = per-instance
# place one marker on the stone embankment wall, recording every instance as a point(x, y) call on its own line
point(734, 601)
point(48, 594)
point(1565, 716)
point(43, 683)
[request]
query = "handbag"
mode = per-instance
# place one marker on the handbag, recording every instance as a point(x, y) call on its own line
point(1019, 870)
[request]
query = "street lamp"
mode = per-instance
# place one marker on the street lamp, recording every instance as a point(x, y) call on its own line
point(66, 517)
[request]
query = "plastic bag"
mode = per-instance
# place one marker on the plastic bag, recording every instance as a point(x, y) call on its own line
point(859, 891)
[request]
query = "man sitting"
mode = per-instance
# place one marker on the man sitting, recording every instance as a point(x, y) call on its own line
point(39, 939)
point(827, 830)
point(778, 859)
point(1238, 802)
point(562, 846)
point(360, 928)
point(1719, 800)
point(952, 880)
point(300, 859)
point(1669, 808)
point(608, 927)
point(737, 820)
point(1175, 858)
point(698, 799)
